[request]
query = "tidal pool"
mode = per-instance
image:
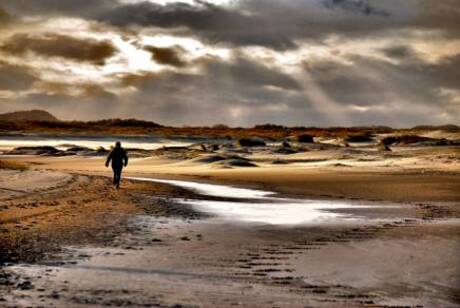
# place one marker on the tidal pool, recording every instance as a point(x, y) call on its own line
point(258, 206)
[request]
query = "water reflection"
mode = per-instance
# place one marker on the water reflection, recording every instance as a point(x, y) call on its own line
point(273, 210)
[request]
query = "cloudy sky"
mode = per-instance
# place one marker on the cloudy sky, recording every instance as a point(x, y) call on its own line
point(238, 62)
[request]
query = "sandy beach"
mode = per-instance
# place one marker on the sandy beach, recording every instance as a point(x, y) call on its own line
point(386, 232)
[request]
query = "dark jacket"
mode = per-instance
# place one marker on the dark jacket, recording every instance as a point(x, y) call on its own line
point(118, 157)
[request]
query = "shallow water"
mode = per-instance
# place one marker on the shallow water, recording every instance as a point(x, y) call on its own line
point(223, 191)
point(8, 143)
point(268, 209)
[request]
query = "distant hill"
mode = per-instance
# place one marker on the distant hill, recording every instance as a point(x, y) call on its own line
point(28, 116)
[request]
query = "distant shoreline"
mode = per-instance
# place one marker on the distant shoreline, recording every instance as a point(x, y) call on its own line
point(131, 127)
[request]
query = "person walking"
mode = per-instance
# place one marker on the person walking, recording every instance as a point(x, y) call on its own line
point(119, 159)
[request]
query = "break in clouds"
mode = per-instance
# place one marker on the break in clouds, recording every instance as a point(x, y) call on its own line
point(240, 62)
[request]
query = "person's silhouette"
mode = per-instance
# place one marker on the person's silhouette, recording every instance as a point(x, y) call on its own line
point(119, 159)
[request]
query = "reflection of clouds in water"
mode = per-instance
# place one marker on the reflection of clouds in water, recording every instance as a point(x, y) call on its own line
point(212, 189)
point(273, 210)
point(271, 213)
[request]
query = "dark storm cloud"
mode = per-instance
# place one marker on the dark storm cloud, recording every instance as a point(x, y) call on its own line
point(398, 52)
point(249, 73)
point(347, 85)
point(439, 15)
point(56, 7)
point(372, 82)
point(167, 56)
point(266, 23)
point(4, 17)
point(15, 78)
point(278, 24)
point(57, 45)
point(443, 74)
point(361, 6)
point(214, 23)
point(269, 23)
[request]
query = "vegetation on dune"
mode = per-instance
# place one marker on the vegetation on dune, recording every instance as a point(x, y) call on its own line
point(142, 127)
point(414, 139)
point(251, 142)
point(305, 138)
point(360, 138)
point(109, 126)
point(447, 128)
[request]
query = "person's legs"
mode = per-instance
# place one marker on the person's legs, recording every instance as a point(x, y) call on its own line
point(117, 177)
point(115, 174)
